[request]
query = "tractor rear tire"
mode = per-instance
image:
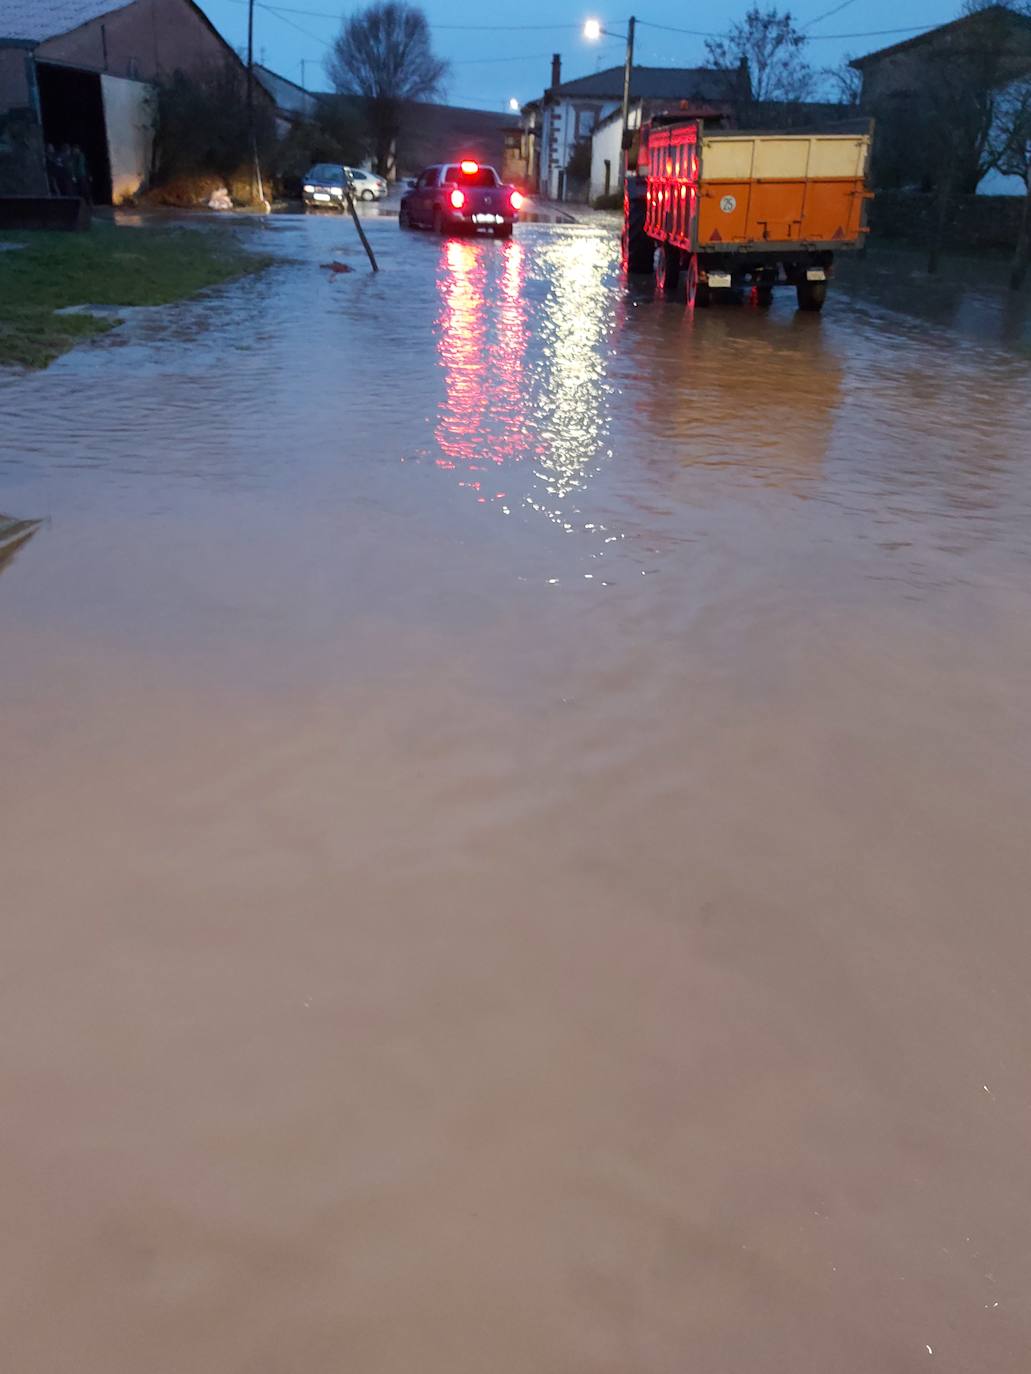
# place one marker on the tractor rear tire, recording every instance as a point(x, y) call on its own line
point(667, 269)
point(638, 247)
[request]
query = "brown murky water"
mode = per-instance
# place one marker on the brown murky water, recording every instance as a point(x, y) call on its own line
point(515, 828)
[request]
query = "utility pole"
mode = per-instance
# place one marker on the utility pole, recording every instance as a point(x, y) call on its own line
point(593, 31)
point(627, 69)
point(250, 90)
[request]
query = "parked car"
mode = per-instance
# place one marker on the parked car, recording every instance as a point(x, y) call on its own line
point(461, 197)
point(324, 185)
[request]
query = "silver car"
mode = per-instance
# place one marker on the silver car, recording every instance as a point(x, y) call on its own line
point(324, 186)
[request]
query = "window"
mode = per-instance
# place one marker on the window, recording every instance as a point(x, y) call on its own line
point(482, 177)
point(584, 123)
point(428, 179)
point(357, 174)
point(327, 171)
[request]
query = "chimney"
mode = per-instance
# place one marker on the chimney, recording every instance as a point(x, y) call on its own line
point(556, 70)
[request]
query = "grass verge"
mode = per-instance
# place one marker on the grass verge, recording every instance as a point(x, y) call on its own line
point(105, 266)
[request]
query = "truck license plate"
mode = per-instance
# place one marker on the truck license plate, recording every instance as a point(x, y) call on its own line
point(719, 278)
point(487, 219)
point(815, 274)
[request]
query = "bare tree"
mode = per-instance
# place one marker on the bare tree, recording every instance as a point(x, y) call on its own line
point(957, 112)
point(385, 55)
point(774, 48)
point(845, 83)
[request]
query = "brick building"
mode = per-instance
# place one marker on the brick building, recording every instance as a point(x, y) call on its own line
point(80, 72)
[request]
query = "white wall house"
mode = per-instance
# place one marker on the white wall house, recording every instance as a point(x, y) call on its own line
point(571, 111)
point(606, 147)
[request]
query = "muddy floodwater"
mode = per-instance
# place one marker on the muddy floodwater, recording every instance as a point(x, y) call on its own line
point(515, 811)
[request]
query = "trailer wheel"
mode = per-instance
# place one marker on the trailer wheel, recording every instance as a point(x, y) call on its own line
point(667, 268)
point(638, 247)
point(811, 294)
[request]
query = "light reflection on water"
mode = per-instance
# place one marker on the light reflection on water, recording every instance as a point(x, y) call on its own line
point(505, 403)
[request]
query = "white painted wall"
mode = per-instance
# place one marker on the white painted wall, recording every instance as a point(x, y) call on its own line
point(129, 115)
point(606, 143)
point(562, 124)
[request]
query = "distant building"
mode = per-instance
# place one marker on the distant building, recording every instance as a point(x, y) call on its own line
point(607, 139)
point(563, 122)
point(294, 105)
point(81, 72)
point(431, 133)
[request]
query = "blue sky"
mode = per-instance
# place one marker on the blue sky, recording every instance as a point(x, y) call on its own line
point(492, 65)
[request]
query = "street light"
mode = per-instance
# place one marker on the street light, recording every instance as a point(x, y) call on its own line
point(593, 31)
point(513, 104)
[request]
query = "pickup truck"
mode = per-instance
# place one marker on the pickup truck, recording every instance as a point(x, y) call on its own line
point(721, 209)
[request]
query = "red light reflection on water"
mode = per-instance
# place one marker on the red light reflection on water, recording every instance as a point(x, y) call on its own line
point(481, 342)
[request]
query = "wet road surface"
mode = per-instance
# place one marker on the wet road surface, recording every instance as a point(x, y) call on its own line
point(515, 809)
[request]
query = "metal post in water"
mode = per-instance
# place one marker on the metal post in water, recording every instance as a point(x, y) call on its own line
point(358, 225)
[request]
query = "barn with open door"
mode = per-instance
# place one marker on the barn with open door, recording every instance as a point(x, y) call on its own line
point(83, 73)
point(71, 105)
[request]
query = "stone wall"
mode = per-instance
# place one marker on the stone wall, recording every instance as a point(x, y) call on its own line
point(975, 224)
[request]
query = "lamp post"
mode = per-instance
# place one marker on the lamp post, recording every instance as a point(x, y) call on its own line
point(593, 30)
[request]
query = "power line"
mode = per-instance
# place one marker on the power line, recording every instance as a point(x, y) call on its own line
point(460, 28)
point(811, 37)
point(827, 13)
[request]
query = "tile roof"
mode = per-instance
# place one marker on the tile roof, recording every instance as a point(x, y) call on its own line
point(657, 83)
point(38, 20)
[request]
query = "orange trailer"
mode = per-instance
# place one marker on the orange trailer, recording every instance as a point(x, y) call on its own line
point(722, 209)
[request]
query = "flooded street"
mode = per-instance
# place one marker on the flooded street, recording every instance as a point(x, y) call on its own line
point(515, 826)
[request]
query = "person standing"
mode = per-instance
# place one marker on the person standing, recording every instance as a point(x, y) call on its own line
point(53, 170)
point(79, 171)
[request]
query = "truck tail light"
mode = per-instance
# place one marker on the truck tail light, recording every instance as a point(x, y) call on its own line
point(457, 199)
point(516, 200)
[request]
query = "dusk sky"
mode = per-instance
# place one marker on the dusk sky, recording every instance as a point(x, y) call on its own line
point(492, 64)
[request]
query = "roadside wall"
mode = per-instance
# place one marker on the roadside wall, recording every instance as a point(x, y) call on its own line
point(975, 223)
point(128, 114)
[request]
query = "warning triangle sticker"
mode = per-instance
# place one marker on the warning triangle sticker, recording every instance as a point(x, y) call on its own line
point(715, 236)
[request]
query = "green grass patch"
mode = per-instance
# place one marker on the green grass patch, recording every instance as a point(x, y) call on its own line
point(106, 265)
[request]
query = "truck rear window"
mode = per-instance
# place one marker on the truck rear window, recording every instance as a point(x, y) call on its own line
point(483, 176)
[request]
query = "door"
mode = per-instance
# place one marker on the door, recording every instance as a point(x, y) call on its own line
point(422, 196)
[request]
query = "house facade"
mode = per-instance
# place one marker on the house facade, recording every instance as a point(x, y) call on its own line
point(82, 72)
point(563, 123)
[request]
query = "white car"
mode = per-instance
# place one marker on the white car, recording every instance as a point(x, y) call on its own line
point(324, 184)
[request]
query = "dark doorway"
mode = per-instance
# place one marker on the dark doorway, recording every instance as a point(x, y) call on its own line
point(73, 112)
